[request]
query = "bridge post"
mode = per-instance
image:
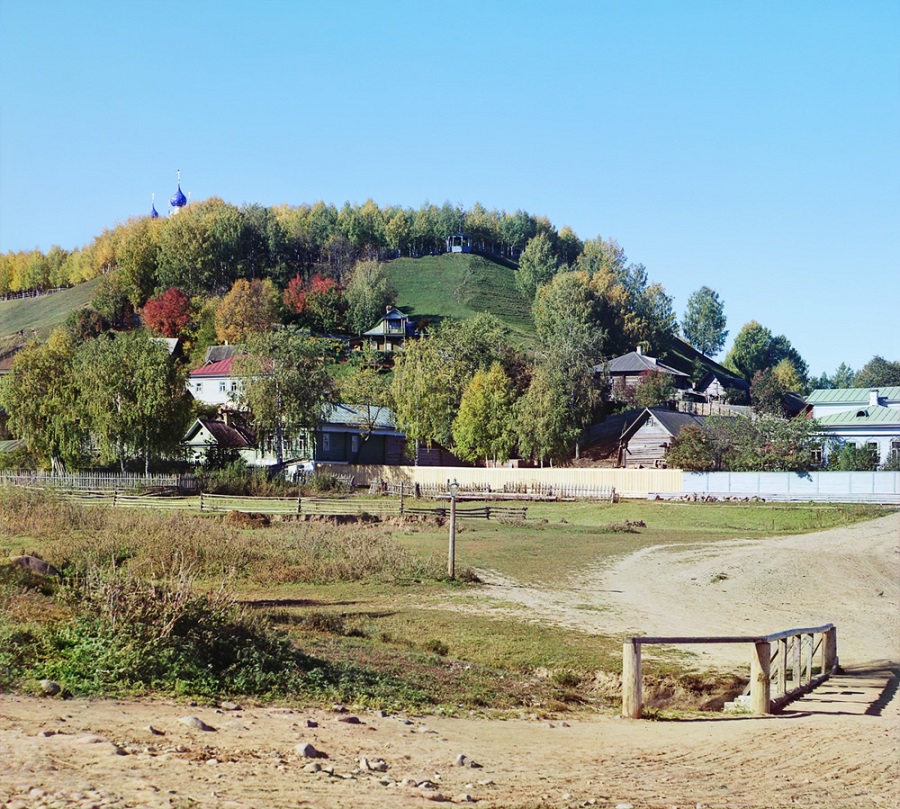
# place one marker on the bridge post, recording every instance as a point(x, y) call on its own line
point(829, 655)
point(632, 703)
point(760, 687)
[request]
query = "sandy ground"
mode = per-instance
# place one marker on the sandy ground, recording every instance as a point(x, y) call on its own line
point(838, 747)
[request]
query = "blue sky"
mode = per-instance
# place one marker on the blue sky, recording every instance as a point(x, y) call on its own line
point(747, 146)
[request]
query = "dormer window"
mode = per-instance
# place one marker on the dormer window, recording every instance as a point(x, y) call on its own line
point(861, 414)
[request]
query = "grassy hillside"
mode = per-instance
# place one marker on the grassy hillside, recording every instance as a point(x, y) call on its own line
point(459, 286)
point(682, 356)
point(41, 315)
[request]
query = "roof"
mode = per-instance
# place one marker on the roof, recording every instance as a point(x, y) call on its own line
point(851, 396)
point(865, 416)
point(230, 436)
point(359, 416)
point(392, 314)
point(672, 421)
point(219, 353)
point(634, 363)
point(726, 380)
point(170, 343)
point(220, 368)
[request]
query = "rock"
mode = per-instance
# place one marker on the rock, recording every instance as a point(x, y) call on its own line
point(375, 764)
point(437, 797)
point(34, 564)
point(154, 731)
point(229, 706)
point(313, 766)
point(306, 750)
point(624, 806)
point(350, 720)
point(195, 722)
point(464, 761)
point(464, 797)
point(46, 733)
point(311, 723)
point(50, 687)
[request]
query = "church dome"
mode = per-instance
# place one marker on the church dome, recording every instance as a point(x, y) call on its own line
point(179, 200)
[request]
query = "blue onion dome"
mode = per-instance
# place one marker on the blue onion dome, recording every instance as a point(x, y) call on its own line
point(154, 214)
point(179, 200)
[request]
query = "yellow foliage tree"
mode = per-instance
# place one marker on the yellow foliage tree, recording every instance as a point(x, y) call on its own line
point(251, 307)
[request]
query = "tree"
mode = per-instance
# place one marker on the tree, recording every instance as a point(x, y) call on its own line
point(320, 303)
point(545, 427)
point(704, 322)
point(755, 349)
point(743, 444)
point(40, 394)
point(537, 265)
point(366, 388)
point(843, 377)
point(368, 293)
point(137, 254)
point(286, 385)
point(878, 373)
point(168, 314)
point(111, 300)
point(133, 396)
point(654, 388)
point(85, 323)
point(767, 393)
point(852, 458)
point(249, 308)
point(484, 427)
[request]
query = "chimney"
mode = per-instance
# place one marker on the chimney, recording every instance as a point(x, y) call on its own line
point(640, 349)
point(873, 397)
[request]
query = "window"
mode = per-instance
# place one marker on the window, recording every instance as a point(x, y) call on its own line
point(326, 442)
point(234, 386)
point(354, 444)
point(198, 387)
point(815, 454)
point(873, 450)
point(222, 387)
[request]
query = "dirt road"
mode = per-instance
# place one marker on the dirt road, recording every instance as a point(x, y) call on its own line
point(839, 747)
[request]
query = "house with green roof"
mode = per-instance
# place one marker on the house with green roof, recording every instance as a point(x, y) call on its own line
point(863, 417)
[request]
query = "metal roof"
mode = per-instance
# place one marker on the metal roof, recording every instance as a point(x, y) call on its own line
point(634, 363)
point(220, 368)
point(359, 415)
point(864, 416)
point(851, 396)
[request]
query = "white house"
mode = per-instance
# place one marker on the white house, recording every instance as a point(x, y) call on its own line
point(214, 383)
point(860, 416)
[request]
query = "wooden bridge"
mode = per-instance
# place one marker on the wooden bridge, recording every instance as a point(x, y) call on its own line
point(795, 652)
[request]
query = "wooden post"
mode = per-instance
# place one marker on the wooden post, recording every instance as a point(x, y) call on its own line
point(796, 679)
point(299, 504)
point(201, 501)
point(451, 558)
point(809, 657)
point(401, 498)
point(760, 688)
point(632, 703)
point(829, 656)
point(781, 677)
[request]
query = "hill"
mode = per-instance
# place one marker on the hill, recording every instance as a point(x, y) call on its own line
point(683, 357)
point(21, 319)
point(459, 285)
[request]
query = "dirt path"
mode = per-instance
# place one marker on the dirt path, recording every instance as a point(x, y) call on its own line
point(839, 747)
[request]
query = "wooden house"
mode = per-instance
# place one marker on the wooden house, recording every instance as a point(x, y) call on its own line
point(630, 370)
point(389, 333)
point(647, 439)
point(719, 387)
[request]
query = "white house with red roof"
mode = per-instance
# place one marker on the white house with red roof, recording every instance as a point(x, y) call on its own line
point(215, 383)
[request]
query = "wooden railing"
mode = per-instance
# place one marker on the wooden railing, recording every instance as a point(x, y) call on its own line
point(795, 651)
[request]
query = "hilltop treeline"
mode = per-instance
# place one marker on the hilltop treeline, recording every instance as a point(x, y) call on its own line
point(210, 244)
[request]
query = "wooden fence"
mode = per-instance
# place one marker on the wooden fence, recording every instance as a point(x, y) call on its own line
point(506, 491)
point(299, 506)
point(102, 481)
point(771, 687)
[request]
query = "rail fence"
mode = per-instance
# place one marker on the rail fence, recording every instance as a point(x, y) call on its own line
point(508, 491)
point(776, 677)
point(102, 481)
point(297, 506)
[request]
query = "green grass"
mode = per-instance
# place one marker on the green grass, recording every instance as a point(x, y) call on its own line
point(41, 315)
point(457, 285)
point(367, 607)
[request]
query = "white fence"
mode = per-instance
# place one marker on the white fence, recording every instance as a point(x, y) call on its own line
point(844, 487)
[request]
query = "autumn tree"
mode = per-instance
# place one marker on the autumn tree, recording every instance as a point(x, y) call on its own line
point(704, 322)
point(320, 304)
point(287, 384)
point(767, 393)
point(368, 389)
point(40, 394)
point(484, 426)
point(368, 293)
point(168, 314)
point(249, 308)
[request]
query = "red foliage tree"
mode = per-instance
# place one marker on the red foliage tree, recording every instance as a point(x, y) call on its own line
point(167, 314)
point(321, 304)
